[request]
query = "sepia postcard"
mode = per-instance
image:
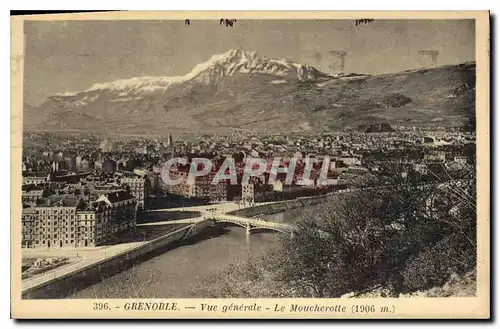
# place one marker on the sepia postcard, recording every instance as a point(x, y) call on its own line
point(259, 165)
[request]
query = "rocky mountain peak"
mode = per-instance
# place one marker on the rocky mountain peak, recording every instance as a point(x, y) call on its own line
point(212, 71)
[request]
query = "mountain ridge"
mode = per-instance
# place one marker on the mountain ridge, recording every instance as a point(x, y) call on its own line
point(220, 65)
point(239, 90)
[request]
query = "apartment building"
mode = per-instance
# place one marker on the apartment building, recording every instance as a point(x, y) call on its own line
point(59, 227)
point(140, 187)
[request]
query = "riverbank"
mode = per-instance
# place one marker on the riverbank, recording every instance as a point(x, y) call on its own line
point(184, 271)
point(167, 215)
point(277, 207)
point(87, 274)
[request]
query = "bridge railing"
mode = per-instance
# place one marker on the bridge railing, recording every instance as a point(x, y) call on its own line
point(254, 223)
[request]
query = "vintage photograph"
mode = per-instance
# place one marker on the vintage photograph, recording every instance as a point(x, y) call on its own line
point(248, 158)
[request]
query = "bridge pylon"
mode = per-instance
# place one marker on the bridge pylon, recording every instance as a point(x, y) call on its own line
point(247, 229)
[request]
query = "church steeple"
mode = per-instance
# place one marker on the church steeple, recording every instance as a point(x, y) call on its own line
point(171, 145)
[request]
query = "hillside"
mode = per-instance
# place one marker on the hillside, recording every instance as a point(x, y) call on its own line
point(240, 90)
point(457, 286)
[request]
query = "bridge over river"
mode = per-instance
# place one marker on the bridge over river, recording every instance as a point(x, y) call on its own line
point(249, 224)
point(253, 224)
point(219, 214)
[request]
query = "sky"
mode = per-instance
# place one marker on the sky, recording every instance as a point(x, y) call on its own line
point(68, 56)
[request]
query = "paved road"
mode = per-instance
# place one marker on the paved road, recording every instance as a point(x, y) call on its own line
point(175, 221)
point(218, 208)
point(87, 256)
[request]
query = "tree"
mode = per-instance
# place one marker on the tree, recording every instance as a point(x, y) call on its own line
point(382, 236)
point(339, 248)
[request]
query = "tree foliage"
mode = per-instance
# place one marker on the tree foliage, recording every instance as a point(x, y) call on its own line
point(395, 236)
point(405, 233)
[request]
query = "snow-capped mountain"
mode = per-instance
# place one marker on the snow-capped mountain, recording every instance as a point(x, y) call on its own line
point(212, 71)
point(240, 90)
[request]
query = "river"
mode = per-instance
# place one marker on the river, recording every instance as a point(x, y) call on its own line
point(173, 274)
